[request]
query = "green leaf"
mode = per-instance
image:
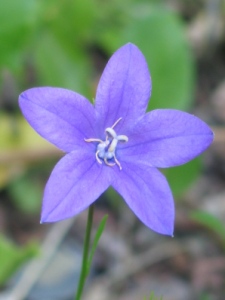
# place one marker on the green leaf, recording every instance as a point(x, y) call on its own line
point(57, 66)
point(12, 257)
point(17, 22)
point(26, 194)
point(211, 222)
point(98, 234)
point(70, 21)
point(205, 296)
point(161, 37)
point(152, 297)
point(181, 177)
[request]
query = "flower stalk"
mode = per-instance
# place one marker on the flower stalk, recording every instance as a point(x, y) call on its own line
point(83, 274)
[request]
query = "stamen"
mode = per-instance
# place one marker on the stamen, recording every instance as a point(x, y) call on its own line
point(110, 132)
point(113, 145)
point(93, 140)
point(122, 138)
point(117, 162)
point(96, 155)
point(116, 122)
point(106, 149)
point(107, 163)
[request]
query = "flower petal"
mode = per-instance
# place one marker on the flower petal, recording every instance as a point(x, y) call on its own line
point(124, 88)
point(147, 193)
point(166, 138)
point(61, 116)
point(76, 182)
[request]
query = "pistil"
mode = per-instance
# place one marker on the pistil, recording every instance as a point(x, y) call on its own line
point(106, 149)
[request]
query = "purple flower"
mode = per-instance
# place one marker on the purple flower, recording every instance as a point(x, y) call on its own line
point(114, 143)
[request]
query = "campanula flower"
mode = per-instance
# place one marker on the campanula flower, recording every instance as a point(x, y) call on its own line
point(114, 142)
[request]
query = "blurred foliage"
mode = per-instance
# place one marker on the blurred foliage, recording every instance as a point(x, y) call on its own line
point(181, 177)
point(12, 256)
point(204, 296)
point(153, 297)
point(213, 223)
point(19, 147)
point(56, 36)
point(17, 23)
point(29, 202)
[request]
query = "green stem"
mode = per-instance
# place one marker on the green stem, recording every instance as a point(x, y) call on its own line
point(83, 274)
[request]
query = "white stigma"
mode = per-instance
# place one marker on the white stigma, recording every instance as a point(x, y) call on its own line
point(106, 150)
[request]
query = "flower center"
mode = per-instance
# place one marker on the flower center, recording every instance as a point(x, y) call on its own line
point(106, 150)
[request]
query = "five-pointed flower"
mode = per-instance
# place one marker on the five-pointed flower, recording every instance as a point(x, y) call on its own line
point(114, 143)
